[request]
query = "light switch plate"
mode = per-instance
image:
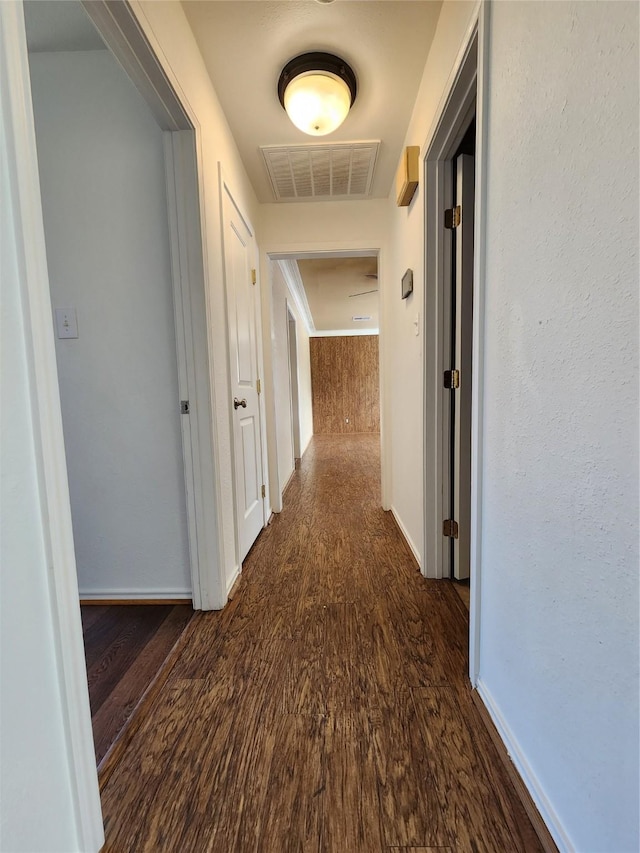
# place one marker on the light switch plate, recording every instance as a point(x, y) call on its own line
point(66, 323)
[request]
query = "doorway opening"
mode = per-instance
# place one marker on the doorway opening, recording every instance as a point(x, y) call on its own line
point(454, 182)
point(119, 190)
point(111, 291)
point(324, 359)
point(461, 367)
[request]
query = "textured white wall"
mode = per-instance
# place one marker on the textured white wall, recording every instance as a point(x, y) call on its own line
point(280, 354)
point(102, 180)
point(34, 771)
point(559, 631)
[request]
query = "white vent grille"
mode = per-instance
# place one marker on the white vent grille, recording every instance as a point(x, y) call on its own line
point(332, 171)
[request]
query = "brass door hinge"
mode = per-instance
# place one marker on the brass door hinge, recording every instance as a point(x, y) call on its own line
point(452, 217)
point(258, 386)
point(450, 528)
point(452, 379)
point(253, 276)
point(264, 491)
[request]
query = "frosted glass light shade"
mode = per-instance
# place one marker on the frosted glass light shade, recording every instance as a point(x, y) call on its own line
point(317, 102)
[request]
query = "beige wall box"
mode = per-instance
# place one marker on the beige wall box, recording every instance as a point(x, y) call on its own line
point(407, 175)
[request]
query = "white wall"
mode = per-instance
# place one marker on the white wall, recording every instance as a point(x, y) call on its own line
point(559, 631)
point(166, 28)
point(102, 179)
point(280, 296)
point(323, 225)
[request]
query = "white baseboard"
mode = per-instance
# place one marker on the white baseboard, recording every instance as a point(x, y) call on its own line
point(407, 538)
point(304, 449)
point(134, 594)
point(533, 785)
point(235, 574)
point(288, 483)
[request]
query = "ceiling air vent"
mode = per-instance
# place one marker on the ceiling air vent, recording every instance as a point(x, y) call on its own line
point(342, 170)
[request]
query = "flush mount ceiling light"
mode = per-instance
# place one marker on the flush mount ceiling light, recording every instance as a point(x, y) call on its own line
point(317, 91)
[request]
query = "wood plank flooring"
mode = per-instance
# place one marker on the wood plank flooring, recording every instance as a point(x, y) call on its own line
point(125, 646)
point(463, 588)
point(327, 707)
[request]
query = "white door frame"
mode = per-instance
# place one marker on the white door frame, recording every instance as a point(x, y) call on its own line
point(26, 206)
point(121, 32)
point(194, 370)
point(294, 399)
point(313, 251)
point(465, 93)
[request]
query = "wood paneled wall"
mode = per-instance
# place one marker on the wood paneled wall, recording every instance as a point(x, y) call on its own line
point(344, 380)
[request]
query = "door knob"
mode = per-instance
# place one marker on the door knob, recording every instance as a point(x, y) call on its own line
point(237, 403)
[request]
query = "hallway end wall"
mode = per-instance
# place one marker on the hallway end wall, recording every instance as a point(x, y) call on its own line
point(345, 384)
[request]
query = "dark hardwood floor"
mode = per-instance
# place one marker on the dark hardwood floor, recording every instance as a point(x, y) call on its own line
point(125, 646)
point(327, 707)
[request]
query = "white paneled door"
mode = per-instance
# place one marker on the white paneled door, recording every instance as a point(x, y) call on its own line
point(242, 304)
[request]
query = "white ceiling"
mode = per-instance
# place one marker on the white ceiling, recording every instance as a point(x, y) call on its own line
point(246, 43)
point(331, 285)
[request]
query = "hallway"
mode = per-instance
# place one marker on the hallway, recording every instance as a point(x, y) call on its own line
point(327, 708)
